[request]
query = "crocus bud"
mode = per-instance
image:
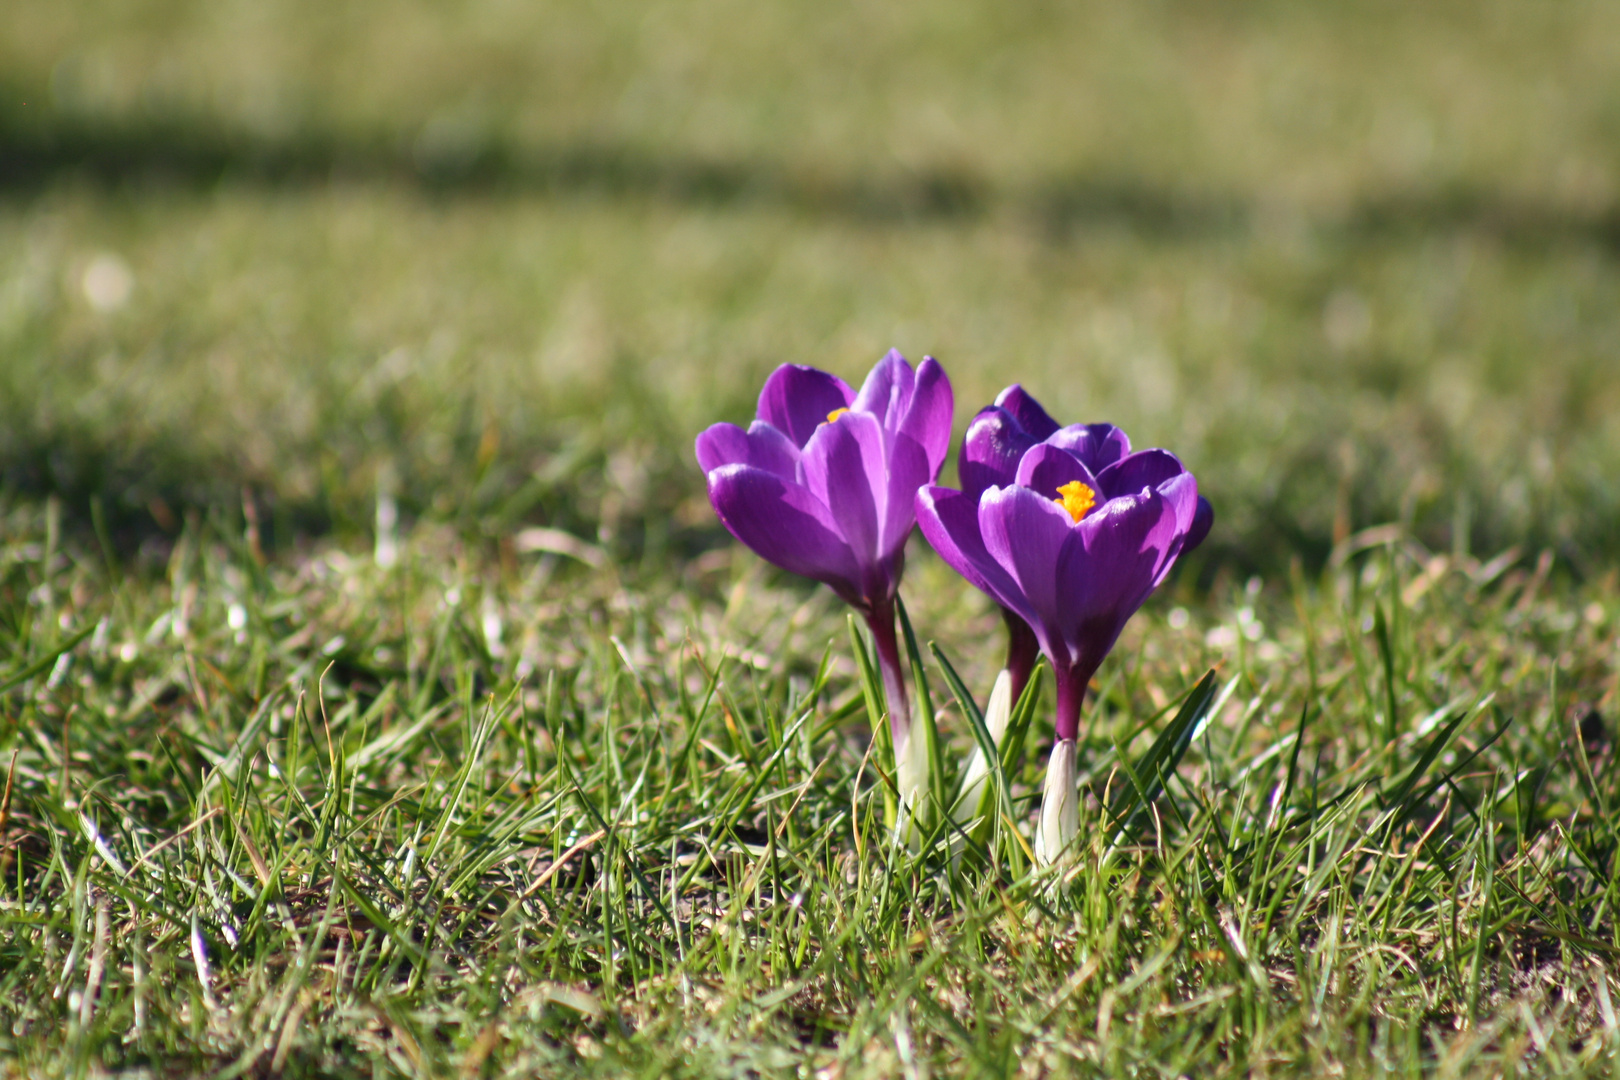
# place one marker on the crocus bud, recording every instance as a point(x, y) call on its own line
point(1060, 807)
point(978, 770)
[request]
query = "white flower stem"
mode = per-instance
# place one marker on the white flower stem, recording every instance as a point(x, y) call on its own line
point(996, 716)
point(1060, 807)
point(912, 771)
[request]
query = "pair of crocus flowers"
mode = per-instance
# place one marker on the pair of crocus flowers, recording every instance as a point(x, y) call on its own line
point(1064, 527)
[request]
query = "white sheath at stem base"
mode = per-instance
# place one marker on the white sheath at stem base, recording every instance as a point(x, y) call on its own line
point(996, 716)
point(912, 769)
point(1060, 807)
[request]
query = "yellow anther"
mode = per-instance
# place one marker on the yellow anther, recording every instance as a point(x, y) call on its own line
point(1076, 498)
point(835, 414)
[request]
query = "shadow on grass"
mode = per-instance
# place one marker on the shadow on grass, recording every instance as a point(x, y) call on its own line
point(142, 490)
point(43, 148)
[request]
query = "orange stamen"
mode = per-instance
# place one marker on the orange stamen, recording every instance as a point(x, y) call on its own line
point(1076, 498)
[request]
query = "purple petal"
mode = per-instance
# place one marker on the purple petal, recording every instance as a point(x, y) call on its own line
point(1022, 407)
point(1203, 518)
point(844, 467)
point(1098, 445)
point(1025, 533)
point(761, 446)
point(950, 522)
point(1181, 493)
point(1143, 469)
point(887, 391)
point(1046, 468)
point(908, 470)
point(796, 400)
point(1110, 565)
point(991, 449)
point(928, 419)
point(784, 525)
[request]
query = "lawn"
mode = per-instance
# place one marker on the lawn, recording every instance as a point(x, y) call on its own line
point(379, 694)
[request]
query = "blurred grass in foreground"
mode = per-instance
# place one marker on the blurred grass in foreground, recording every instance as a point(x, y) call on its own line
point(1354, 263)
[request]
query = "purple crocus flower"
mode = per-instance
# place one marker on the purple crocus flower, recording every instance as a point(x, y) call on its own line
point(824, 484)
point(995, 442)
point(1072, 544)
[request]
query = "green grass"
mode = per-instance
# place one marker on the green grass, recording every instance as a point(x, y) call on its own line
point(492, 810)
point(460, 815)
point(1356, 265)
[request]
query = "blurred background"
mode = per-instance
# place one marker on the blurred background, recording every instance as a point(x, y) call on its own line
point(1355, 262)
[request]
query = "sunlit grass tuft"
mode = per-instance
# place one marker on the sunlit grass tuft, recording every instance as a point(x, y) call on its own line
point(467, 814)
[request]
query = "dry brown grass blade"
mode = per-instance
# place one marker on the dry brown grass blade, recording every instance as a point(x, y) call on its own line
point(562, 861)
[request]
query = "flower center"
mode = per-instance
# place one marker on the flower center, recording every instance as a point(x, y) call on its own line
point(1076, 498)
point(835, 414)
